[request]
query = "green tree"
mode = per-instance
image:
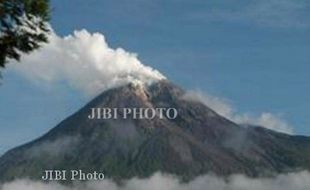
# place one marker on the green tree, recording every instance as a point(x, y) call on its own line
point(23, 27)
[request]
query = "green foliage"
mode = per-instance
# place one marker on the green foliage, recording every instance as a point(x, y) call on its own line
point(23, 27)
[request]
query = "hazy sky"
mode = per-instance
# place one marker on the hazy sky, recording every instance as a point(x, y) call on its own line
point(253, 54)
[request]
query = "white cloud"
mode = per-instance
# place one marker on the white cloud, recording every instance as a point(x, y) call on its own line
point(223, 107)
point(268, 120)
point(85, 62)
point(219, 105)
point(31, 185)
point(52, 148)
point(270, 13)
point(296, 181)
point(280, 13)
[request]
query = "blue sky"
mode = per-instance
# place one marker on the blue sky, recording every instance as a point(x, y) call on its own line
point(253, 53)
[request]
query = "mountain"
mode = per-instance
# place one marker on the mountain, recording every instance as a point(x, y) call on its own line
point(196, 142)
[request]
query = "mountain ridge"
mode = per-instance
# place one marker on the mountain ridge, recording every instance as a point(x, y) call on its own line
point(197, 142)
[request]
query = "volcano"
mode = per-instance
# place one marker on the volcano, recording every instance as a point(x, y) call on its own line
point(198, 141)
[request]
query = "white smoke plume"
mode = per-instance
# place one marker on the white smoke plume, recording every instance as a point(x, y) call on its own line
point(85, 62)
point(296, 181)
point(223, 107)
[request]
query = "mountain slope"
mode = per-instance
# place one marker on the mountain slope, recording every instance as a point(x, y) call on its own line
point(198, 141)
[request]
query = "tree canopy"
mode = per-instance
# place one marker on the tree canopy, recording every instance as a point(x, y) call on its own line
point(23, 27)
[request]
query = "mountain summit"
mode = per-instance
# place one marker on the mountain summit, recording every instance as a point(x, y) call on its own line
point(196, 142)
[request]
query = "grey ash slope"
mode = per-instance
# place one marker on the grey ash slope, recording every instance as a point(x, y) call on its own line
point(199, 141)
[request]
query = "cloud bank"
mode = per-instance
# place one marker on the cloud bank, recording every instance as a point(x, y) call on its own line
point(296, 181)
point(222, 107)
point(85, 62)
